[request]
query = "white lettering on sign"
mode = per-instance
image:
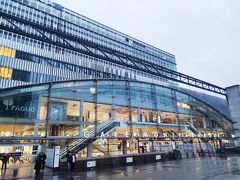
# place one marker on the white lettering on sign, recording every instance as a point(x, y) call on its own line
point(129, 159)
point(145, 134)
point(158, 157)
point(91, 164)
point(56, 157)
point(9, 103)
point(86, 134)
point(21, 108)
point(103, 140)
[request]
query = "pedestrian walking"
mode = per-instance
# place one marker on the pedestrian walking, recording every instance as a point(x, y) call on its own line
point(38, 164)
point(4, 159)
point(44, 157)
point(73, 162)
point(71, 159)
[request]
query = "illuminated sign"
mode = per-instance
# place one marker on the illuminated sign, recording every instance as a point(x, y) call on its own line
point(9, 103)
point(91, 164)
point(56, 156)
point(129, 159)
point(158, 157)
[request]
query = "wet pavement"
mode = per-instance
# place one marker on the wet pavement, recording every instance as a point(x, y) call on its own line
point(213, 168)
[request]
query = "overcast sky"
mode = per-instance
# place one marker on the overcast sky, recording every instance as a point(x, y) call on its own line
point(204, 35)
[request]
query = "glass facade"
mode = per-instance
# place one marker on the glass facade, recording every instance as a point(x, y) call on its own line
point(84, 109)
point(120, 114)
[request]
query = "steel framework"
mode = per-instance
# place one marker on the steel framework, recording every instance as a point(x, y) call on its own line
point(60, 38)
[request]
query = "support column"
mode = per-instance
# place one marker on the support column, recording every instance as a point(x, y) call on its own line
point(139, 114)
point(81, 118)
point(89, 150)
point(113, 113)
point(108, 147)
point(37, 120)
point(191, 120)
point(204, 122)
point(138, 146)
point(159, 121)
point(152, 146)
point(36, 125)
point(233, 97)
point(124, 142)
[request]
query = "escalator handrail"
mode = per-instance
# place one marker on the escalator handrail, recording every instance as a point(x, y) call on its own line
point(78, 142)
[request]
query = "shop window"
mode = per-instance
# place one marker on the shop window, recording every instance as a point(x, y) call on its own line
point(104, 112)
point(73, 110)
point(122, 113)
point(148, 115)
point(168, 118)
point(183, 105)
point(198, 122)
point(88, 112)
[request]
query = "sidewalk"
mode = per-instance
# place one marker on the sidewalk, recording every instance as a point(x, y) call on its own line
point(211, 168)
point(25, 172)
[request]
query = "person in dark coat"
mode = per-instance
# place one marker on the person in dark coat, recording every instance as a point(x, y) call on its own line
point(4, 159)
point(38, 164)
point(74, 158)
point(1, 158)
point(71, 159)
point(44, 157)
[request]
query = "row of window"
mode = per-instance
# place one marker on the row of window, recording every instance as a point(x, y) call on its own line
point(14, 74)
point(72, 59)
point(75, 18)
point(25, 76)
point(34, 77)
point(52, 22)
point(61, 65)
point(61, 53)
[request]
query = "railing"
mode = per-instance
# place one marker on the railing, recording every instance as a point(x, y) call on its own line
point(193, 129)
point(75, 146)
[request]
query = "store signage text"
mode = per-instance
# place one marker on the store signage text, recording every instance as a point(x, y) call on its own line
point(9, 103)
point(103, 136)
point(21, 108)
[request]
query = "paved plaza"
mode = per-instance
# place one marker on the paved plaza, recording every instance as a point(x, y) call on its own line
point(213, 168)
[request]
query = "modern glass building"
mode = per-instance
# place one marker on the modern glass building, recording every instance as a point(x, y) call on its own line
point(70, 81)
point(81, 112)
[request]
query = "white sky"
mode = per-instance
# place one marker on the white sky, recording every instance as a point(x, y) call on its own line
point(204, 35)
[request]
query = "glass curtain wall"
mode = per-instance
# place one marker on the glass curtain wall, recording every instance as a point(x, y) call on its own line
point(89, 108)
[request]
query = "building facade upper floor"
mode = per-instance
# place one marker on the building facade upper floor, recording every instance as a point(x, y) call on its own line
point(21, 41)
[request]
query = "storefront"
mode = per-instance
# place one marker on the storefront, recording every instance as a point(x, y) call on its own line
point(134, 116)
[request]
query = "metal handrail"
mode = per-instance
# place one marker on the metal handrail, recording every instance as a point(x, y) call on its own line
point(78, 142)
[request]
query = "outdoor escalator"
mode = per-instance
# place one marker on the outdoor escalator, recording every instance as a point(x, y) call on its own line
point(78, 144)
